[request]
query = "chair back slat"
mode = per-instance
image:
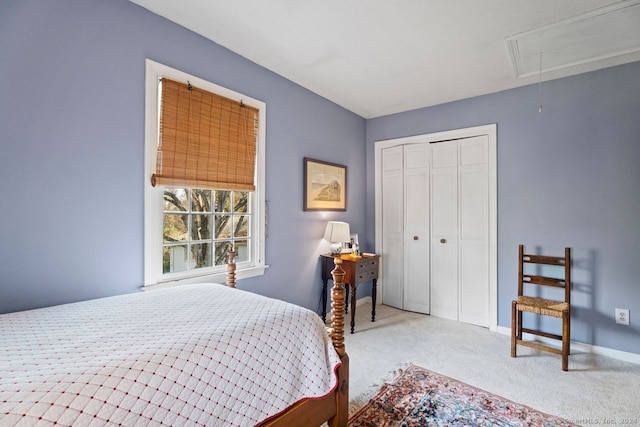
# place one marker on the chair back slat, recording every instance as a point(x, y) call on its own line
point(541, 280)
point(540, 259)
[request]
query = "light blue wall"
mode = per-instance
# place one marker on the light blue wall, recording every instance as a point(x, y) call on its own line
point(72, 102)
point(569, 176)
point(71, 152)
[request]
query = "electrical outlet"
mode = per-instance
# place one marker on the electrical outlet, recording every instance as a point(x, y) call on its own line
point(622, 316)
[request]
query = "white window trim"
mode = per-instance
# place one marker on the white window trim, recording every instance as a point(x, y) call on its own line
point(153, 196)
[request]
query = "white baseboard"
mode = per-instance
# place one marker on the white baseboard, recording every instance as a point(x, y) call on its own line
point(583, 348)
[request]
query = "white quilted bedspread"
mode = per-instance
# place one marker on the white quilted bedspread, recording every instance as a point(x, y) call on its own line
point(191, 355)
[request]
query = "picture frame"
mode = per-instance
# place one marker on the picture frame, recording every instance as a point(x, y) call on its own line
point(324, 186)
point(351, 245)
point(354, 241)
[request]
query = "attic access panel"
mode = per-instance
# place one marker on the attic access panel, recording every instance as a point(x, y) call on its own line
point(596, 36)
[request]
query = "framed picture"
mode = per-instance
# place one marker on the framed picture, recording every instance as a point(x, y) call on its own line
point(354, 241)
point(351, 245)
point(325, 186)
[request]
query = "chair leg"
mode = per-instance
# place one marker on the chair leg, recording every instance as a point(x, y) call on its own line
point(566, 317)
point(513, 328)
point(569, 333)
point(519, 324)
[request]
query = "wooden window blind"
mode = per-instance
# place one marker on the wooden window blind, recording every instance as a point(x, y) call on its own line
point(206, 140)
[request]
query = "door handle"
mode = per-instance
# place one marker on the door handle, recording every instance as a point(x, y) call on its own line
point(415, 237)
point(443, 240)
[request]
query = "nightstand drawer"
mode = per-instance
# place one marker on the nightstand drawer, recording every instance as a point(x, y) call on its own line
point(365, 276)
point(368, 265)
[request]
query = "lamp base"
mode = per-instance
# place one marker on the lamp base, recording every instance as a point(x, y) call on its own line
point(335, 248)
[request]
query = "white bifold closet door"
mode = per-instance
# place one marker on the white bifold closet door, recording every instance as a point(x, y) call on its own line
point(405, 221)
point(435, 228)
point(392, 208)
point(416, 228)
point(460, 230)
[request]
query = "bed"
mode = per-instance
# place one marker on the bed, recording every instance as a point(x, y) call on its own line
point(201, 354)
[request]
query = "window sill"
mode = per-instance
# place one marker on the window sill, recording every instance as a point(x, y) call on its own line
point(209, 278)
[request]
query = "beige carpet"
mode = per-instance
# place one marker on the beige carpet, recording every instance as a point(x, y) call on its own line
point(596, 390)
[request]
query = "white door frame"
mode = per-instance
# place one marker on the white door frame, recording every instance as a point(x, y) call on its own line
point(491, 132)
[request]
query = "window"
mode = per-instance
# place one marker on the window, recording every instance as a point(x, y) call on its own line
point(191, 223)
point(200, 226)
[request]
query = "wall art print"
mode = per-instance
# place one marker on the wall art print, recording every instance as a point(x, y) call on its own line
point(325, 186)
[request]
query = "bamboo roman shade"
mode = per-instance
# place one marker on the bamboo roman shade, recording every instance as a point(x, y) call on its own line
point(206, 140)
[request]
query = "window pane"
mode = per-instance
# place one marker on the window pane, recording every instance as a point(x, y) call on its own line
point(242, 250)
point(201, 200)
point(175, 199)
point(222, 248)
point(223, 226)
point(207, 221)
point(200, 255)
point(175, 228)
point(240, 201)
point(223, 201)
point(174, 259)
point(201, 227)
point(241, 226)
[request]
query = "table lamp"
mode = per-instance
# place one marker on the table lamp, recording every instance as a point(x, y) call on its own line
point(336, 233)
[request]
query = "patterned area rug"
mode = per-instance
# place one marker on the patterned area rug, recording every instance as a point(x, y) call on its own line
point(418, 397)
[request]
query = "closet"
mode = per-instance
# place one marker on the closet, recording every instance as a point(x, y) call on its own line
point(435, 215)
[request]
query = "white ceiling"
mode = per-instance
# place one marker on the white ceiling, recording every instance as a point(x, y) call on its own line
point(378, 57)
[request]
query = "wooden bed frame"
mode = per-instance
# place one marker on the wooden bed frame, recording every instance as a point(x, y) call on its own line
point(333, 408)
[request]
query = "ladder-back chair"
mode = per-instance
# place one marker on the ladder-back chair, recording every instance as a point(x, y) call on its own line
point(541, 306)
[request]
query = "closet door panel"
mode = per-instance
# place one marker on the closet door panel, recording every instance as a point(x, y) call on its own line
point(473, 204)
point(392, 280)
point(474, 231)
point(416, 235)
point(444, 280)
point(444, 230)
point(474, 285)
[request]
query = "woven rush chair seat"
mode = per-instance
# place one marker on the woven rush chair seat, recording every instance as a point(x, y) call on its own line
point(545, 307)
point(542, 306)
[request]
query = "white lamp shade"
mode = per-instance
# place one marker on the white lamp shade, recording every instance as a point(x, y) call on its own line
point(337, 232)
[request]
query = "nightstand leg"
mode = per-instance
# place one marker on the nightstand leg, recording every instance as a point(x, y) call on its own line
point(353, 307)
point(324, 301)
point(374, 291)
point(346, 303)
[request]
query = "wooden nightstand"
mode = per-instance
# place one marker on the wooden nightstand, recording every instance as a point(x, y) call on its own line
point(357, 270)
